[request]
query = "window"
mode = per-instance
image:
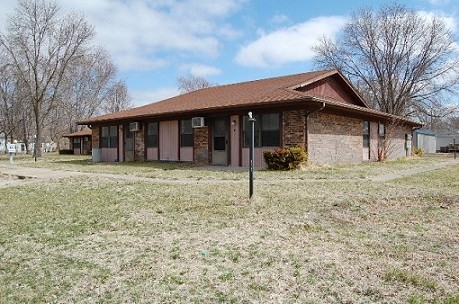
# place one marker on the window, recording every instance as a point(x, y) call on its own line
point(366, 134)
point(267, 132)
point(219, 135)
point(109, 137)
point(152, 135)
point(381, 129)
point(186, 133)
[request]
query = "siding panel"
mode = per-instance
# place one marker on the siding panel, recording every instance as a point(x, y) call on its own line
point(186, 154)
point(169, 140)
point(152, 153)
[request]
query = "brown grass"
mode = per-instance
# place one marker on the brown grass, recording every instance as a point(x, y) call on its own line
point(311, 236)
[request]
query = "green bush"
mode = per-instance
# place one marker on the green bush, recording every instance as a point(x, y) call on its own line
point(66, 151)
point(285, 158)
point(418, 152)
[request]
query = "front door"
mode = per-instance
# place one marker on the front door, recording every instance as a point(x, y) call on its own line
point(128, 144)
point(220, 142)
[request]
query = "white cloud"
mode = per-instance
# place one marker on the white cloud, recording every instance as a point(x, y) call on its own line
point(137, 32)
point(202, 70)
point(292, 44)
point(143, 97)
point(278, 19)
point(7, 9)
point(439, 2)
point(450, 21)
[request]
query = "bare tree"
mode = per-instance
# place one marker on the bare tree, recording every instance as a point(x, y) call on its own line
point(117, 99)
point(41, 44)
point(90, 88)
point(190, 83)
point(15, 115)
point(401, 61)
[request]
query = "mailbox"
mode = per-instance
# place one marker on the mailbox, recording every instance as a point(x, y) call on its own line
point(11, 148)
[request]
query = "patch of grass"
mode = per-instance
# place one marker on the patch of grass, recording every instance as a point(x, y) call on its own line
point(407, 277)
point(186, 239)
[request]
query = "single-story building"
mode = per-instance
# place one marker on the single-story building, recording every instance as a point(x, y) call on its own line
point(425, 140)
point(320, 111)
point(80, 141)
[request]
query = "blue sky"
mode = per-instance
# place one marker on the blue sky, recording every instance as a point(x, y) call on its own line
point(226, 41)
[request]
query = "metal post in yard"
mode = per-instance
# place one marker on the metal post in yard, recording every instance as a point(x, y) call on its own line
point(252, 147)
point(35, 149)
point(454, 147)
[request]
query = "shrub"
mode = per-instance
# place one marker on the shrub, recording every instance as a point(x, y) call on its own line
point(66, 151)
point(285, 158)
point(418, 152)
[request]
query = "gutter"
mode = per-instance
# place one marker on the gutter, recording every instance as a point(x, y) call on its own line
point(317, 110)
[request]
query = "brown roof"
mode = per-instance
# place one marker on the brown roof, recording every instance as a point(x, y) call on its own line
point(81, 133)
point(226, 96)
point(252, 93)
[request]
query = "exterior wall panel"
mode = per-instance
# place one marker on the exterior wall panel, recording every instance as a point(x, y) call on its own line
point(334, 139)
point(120, 142)
point(186, 154)
point(258, 160)
point(169, 140)
point(294, 128)
point(139, 145)
point(152, 153)
point(201, 145)
point(109, 154)
point(329, 88)
point(235, 141)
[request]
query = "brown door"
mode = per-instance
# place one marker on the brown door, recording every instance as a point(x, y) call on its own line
point(128, 144)
point(220, 142)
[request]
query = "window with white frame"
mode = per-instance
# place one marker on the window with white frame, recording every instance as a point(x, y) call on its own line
point(186, 133)
point(267, 130)
point(109, 137)
point(152, 135)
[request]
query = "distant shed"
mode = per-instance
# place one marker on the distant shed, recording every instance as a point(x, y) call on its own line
point(426, 140)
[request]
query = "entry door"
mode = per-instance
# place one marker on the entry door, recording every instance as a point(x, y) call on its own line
point(128, 144)
point(220, 142)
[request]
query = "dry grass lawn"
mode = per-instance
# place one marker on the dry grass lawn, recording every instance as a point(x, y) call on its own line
point(319, 235)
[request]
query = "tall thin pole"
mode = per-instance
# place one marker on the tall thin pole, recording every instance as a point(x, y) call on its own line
point(454, 147)
point(252, 147)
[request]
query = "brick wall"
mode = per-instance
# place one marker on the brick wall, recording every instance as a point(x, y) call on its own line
point(396, 137)
point(294, 128)
point(201, 145)
point(334, 139)
point(139, 144)
point(95, 137)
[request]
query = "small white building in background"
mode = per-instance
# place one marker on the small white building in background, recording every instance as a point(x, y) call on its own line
point(426, 140)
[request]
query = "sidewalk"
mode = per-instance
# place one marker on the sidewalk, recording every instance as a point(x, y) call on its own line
point(11, 174)
point(414, 171)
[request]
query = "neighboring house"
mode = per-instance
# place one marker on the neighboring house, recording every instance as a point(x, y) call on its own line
point(80, 141)
point(426, 140)
point(319, 111)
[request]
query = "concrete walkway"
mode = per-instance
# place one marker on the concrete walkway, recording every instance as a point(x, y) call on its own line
point(414, 171)
point(11, 175)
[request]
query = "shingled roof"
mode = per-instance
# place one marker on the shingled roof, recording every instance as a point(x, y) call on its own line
point(81, 133)
point(270, 91)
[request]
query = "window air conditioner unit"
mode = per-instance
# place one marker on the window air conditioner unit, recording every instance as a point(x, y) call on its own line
point(134, 126)
point(197, 122)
